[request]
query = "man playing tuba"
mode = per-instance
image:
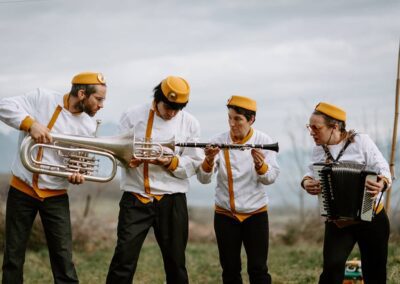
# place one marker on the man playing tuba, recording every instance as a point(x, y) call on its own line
point(38, 114)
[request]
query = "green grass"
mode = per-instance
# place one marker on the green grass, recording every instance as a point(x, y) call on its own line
point(295, 254)
point(288, 264)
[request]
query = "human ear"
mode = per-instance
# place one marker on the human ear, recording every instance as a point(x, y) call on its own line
point(252, 119)
point(81, 94)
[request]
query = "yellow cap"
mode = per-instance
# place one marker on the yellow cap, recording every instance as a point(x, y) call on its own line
point(332, 111)
point(175, 89)
point(243, 102)
point(89, 78)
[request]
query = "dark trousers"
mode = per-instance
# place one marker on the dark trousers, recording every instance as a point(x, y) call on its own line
point(372, 239)
point(169, 219)
point(253, 233)
point(54, 212)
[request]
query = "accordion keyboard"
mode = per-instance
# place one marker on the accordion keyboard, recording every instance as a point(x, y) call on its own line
point(321, 196)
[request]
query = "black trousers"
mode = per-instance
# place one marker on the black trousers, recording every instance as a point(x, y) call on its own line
point(54, 212)
point(372, 239)
point(169, 219)
point(254, 234)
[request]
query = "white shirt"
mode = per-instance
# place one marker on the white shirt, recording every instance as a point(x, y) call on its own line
point(181, 128)
point(248, 186)
point(40, 105)
point(363, 151)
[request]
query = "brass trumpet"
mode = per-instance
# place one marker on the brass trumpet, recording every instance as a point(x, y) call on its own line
point(146, 149)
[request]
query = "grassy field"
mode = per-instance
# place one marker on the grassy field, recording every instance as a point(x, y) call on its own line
point(287, 264)
point(294, 257)
point(295, 247)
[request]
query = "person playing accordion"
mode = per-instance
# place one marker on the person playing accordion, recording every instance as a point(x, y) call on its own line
point(334, 144)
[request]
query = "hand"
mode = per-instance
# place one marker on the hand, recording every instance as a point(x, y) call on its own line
point(375, 187)
point(161, 161)
point(210, 152)
point(134, 163)
point(312, 186)
point(40, 133)
point(258, 157)
point(76, 178)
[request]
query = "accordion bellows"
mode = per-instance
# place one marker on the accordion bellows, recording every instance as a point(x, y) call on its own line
point(343, 195)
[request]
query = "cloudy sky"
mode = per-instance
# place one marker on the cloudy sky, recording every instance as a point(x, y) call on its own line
point(288, 55)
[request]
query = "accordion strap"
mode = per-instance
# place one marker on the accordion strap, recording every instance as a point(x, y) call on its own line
point(329, 157)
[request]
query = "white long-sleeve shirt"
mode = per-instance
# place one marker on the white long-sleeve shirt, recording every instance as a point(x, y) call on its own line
point(248, 186)
point(363, 151)
point(183, 128)
point(40, 105)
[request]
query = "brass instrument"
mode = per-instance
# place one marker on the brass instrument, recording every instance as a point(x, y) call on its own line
point(79, 154)
point(146, 149)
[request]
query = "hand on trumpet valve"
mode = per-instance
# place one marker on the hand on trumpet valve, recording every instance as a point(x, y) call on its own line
point(161, 161)
point(76, 178)
point(164, 157)
point(135, 162)
point(40, 133)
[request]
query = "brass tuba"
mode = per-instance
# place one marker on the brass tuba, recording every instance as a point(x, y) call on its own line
point(79, 154)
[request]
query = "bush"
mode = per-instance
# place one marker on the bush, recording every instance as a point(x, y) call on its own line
point(311, 230)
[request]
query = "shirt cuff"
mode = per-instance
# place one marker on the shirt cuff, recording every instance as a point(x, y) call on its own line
point(206, 166)
point(26, 123)
point(174, 164)
point(263, 169)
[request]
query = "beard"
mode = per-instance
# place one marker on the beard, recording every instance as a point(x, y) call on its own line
point(82, 106)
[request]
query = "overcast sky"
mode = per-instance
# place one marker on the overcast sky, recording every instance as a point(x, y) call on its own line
point(287, 55)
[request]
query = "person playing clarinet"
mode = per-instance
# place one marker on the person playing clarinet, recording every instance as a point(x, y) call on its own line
point(241, 199)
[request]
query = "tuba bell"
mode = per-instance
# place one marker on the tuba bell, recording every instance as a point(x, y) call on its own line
point(79, 154)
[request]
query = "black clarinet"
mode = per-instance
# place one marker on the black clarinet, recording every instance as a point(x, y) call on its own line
point(272, 147)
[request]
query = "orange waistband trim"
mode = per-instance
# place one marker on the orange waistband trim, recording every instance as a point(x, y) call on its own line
point(25, 188)
point(239, 216)
point(146, 200)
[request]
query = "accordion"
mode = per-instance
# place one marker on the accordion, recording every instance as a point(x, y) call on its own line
point(343, 195)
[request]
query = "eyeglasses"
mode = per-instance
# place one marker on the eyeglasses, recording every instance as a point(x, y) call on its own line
point(314, 128)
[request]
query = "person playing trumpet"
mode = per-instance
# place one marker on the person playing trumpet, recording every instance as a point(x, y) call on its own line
point(40, 113)
point(154, 186)
point(241, 199)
